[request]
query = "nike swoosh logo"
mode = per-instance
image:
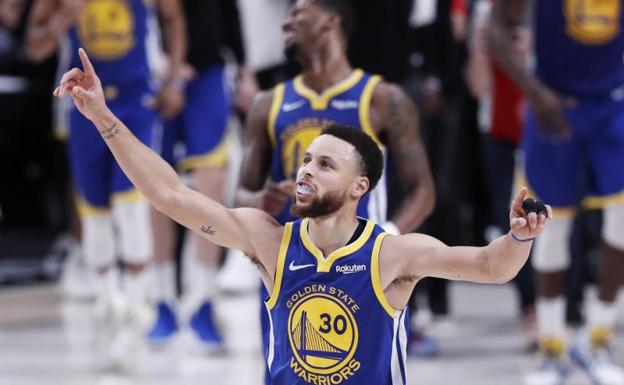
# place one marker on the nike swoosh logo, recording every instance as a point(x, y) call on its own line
point(293, 267)
point(292, 106)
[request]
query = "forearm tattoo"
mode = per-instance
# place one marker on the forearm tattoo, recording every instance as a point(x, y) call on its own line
point(208, 230)
point(110, 132)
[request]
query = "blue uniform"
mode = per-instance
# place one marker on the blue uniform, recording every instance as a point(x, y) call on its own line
point(579, 54)
point(297, 116)
point(201, 126)
point(115, 34)
point(330, 321)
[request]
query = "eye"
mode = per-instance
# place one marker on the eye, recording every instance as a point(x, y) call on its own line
point(306, 160)
point(325, 164)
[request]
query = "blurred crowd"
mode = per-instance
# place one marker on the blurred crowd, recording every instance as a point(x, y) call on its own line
point(470, 117)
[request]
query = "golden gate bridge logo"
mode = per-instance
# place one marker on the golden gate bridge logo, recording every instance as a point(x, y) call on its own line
point(323, 334)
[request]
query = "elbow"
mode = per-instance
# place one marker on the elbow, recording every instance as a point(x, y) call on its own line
point(430, 199)
point(505, 277)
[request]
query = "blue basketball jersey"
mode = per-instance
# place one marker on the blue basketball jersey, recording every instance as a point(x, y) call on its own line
point(580, 46)
point(119, 36)
point(329, 320)
point(297, 116)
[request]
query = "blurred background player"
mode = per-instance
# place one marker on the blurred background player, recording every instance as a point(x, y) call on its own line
point(500, 116)
point(283, 121)
point(576, 126)
point(122, 38)
point(201, 129)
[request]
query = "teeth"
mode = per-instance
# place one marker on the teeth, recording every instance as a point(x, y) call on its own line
point(303, 189)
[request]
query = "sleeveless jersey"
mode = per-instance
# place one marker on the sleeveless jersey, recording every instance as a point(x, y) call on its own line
point(330, 323)
point(580, 46)
point(297, 116)
point(120, 37)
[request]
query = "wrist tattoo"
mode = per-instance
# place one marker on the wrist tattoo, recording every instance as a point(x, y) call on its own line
point(208, 230)
point(110, 132)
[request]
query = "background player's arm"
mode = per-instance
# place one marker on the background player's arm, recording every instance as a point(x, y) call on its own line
point(48, 22)
point(253, 189)
point(497, 262)
point(506, 17)
point(238, 228)
point(399, 130)
point(173, 24)
point(170, 98)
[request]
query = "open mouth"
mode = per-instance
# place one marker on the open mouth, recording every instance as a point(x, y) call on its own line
point(303, 189)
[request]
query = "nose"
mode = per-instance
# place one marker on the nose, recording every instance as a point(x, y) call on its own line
point(287, 24)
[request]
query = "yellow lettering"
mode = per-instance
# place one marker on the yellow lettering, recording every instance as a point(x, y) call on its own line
point(289, 304)
point(294, 366)
point(345, 298)
point(323, 380)
point(355, 308)
point(332, 290)
point(346, 372)
point(321, 288)
point(312, 378)
point(336, 378)
point(302, 374)
point(355, 365)
point(307, 290)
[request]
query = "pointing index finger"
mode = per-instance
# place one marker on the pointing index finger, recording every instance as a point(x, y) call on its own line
point(86, 63)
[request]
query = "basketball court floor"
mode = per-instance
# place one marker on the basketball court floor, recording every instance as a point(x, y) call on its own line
point(45, 340)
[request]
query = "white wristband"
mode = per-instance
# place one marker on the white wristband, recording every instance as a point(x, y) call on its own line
point(391, 228)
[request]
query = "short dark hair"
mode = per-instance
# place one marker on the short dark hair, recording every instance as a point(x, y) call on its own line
point(344, 9)
point(369, 154)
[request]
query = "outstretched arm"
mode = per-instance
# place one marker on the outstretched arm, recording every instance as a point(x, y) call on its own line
point(160, 183)
point(497, 262)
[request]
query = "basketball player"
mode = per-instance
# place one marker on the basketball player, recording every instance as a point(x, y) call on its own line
point(201, 130)
point(120, 35)
point(338, 283)
point(575, 124)
point(284, 120)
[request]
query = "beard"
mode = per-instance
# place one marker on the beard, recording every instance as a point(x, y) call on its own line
point(320, 206)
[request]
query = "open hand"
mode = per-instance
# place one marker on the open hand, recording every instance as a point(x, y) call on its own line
point(84, 87)
point(523, 225)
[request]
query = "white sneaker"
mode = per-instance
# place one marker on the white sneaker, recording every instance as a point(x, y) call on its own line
point(552, 371)
point(238, 274)
point(77, 279)
point(554, 367)
point(597, 360)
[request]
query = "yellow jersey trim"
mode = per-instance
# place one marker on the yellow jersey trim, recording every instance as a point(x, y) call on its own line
point(276, 104)
point(365, 103)
point(595, 202)
point(320, 102)
point(279, 268)
point(132, 195)
point(325, 264)
point(217, 158)
point(376, 278)
point(86, 209)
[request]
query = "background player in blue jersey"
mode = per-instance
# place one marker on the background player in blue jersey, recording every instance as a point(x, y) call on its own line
point(122, 37)
point(352, 320)
point(284, 120)
point(201, 130)
point(574, 131)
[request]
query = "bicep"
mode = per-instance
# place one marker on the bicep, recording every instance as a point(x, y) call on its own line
point(430, 257)
point(401, 130)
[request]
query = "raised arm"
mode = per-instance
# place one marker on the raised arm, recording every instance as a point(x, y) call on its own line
point(497, 262)
point(398, 121)
point(237, 228)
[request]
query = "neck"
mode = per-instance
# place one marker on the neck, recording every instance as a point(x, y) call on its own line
point(326, 66)
point(332, 232)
